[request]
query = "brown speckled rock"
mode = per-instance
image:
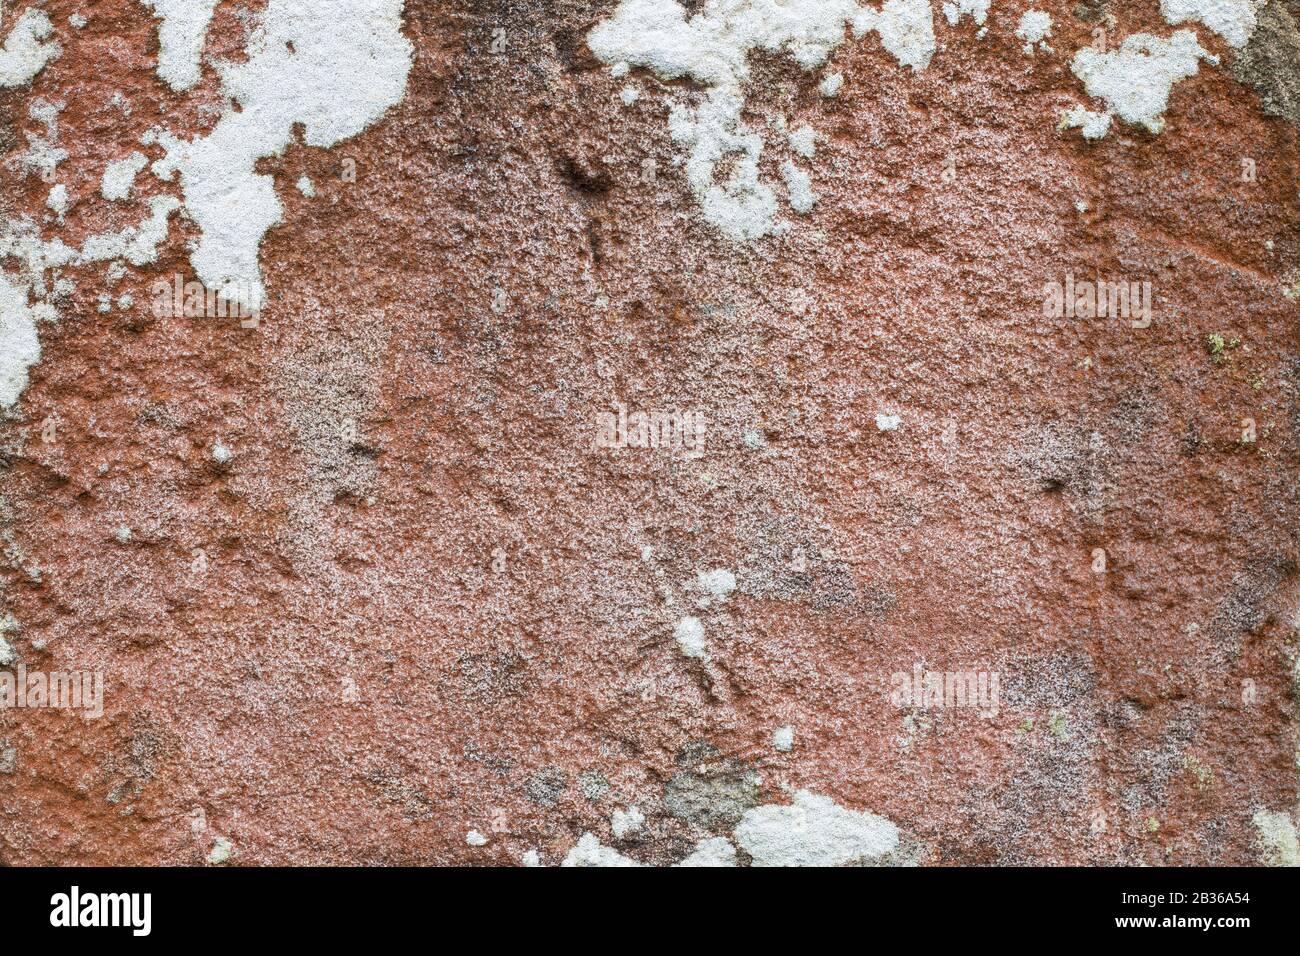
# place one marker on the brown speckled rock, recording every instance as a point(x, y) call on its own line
point(366, 585)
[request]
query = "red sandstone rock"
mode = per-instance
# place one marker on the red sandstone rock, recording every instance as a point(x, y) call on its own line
point(364, 576)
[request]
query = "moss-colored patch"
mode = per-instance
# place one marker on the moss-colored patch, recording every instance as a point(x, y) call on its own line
point(711, 793)
point(1203, 775)
point(1218, 345)
point(1090, 11)
point(1270, 62)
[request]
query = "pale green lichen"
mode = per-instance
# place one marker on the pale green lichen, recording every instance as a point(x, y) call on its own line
point(1217, 344)
point(1278, 844)
point(1203, 775)
point(221, 852)
point(814, 831)
point(588, 852)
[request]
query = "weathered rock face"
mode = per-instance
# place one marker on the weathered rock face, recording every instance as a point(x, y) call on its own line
point(691, 425)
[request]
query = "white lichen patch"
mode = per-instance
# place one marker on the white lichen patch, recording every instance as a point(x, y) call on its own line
point(799, 186)
point(57, 200)
point(831, 84)
point(743, 207)
point(306, 187)
point(803, 140)
point(589, 851)
point(20, 240)
point(180, 39)
point(712, 49)
point(137, 244)
point(1035, 26)
point(713, 46)
point(301, 68)
point(888, 423)
point(717, 584)
point(624, 823)
point(906, 29)
point(813, 831)
point(20, 346)
point(783, 739)
point(43, 154)
point(25, 51)
point(1276, 834)
point(1093, 124)
point(1135, 81)
point(977, 10)
point(474, 838)
point(689, 635)
point(1234, 20)
point(119, 176)
point(715, 851)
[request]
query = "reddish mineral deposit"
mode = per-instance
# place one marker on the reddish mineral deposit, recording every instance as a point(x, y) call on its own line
point(718, 432)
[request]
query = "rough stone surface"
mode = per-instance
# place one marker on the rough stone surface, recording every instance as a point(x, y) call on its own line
point(368, 572)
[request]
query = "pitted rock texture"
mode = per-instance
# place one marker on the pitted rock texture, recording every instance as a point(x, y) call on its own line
point(364, 579)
